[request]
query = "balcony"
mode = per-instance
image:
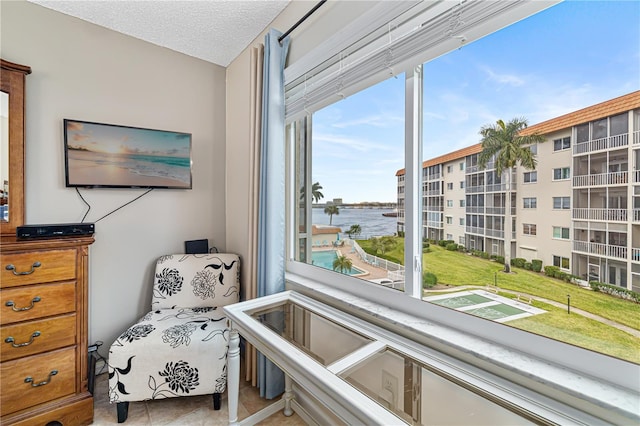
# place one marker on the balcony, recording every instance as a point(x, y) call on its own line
point(618, 252)
point(636, 137)
point(610, 215)
point(432, 192)
point(635, 255)
point(434, 224)
point(636, 215)
point(494, 233)
point(602, 179)
point(602, 144)
point(474, 209)
point(474, 230)
point(495, 210)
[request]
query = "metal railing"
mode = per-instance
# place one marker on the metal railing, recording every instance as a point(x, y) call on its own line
point(602, 144)
point(619, 252)
point(612, 215)
point(392, 268)
point(613, 178)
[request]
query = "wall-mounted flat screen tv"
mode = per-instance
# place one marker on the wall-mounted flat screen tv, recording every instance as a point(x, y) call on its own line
point(101, 155)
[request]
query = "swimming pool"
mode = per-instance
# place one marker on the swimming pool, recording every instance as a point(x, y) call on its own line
point(325, 259)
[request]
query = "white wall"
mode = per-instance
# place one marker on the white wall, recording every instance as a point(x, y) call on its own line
point(86, 72)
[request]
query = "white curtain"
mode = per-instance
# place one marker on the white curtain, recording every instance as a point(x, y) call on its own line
point(271, 208)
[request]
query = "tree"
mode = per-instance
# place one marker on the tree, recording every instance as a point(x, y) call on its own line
point(331, 210)
point(504, 144)
point(354, 230)
point(316, 195)
point(342, 264)
point(382, 245)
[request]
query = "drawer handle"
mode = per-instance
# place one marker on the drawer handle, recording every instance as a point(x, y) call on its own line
point(26, 308)
point(12, 268)
point(19, 345)
point(29, 379)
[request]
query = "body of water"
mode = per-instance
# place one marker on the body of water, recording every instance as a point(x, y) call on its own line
point(371, 221)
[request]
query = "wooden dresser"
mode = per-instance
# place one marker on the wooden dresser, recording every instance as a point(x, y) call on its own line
point(43, 317)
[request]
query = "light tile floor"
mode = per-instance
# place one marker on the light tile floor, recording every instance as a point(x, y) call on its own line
point(184, 411)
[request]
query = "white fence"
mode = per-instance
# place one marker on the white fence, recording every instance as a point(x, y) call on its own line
point(395, 271)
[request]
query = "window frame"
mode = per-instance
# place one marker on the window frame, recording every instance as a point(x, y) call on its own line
point(562, 199)
point(460, 327)
point(563, 175)
point(565, 144)
point(532, 173)
point(532, 203)
point(561, 228)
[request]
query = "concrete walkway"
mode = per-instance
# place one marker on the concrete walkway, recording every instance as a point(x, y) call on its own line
point(622, 327)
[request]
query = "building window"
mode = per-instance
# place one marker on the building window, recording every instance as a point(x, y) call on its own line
point(461, 184)
point(462, 203)
point(560, 233)
point(561, 262)
point(449, 236)
point(529, 228)
point(462, 221)
point(561, 144)
point(449, 169)
point(449, 220)
point(529, 202)
point(561, 203)
point(534, 149)
point(462, 166)
point(450, 185)
point(561, 173)
point(530, 177)
point(449, 203)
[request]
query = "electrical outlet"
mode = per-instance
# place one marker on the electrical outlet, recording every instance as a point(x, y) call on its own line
point(390, 385)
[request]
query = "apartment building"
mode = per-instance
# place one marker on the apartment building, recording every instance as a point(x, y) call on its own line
point(578, 210)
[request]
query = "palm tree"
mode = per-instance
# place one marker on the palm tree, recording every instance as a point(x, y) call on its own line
point(316, 195)
point(342, 264)
point(331, 210)
point(504, 144)
point(383, 244)
point(315, 192)
point(354, 230)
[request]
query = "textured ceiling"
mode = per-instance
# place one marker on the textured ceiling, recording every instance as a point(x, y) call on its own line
point(213, 30)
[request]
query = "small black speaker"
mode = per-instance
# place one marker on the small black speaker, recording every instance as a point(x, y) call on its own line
point(196, 246)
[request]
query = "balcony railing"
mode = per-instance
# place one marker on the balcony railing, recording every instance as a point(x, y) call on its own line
point(473, 189)
point(474, 230)
point(619, 252)
point(612, 215)
point(635, 254)
point(495, 210)
point(602, 144)
point(432, 192)
point(494, 233)
point(474, 209)
point(636, 215)
point(636, 137)
point(433, 176)
point(602, 179)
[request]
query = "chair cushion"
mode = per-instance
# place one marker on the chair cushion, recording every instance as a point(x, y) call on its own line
point(196, 280)
point(168, 353)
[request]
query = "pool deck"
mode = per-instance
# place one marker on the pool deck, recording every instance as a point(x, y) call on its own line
point(371, 272)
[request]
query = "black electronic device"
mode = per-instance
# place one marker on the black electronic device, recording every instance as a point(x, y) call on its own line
point(196, 246)
point(55, 230)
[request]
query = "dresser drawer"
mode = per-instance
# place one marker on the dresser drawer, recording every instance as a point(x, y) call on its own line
point(16, 394)
point(36, 301)
point(38, 336)
point(54, 265)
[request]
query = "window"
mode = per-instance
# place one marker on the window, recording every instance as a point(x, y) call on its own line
point(449, 220)
point(462, 221)
point(462, 203)
point(534, 149)
point(561, 173)
point(561, 144)
point(560, 233)
point(561, 262)
point(348, 137)
point(561, 203)
point(449, 236)
point(462, 166)
point(529, 229)
point(529, 202)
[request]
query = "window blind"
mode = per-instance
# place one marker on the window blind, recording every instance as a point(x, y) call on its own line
point(396, 41)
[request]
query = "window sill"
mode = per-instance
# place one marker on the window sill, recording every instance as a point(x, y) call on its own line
point(564, 389)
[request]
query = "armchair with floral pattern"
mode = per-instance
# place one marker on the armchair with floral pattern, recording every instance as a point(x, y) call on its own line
point(179, 348)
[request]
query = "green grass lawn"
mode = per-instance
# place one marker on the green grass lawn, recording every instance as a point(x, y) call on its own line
point(458, 269)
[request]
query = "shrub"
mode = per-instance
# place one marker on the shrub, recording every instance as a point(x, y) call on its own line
point(518, 262)
point(484, 255)
point(536, 265)
point(461, 248)
point(429, 279)
point(615, 291)
point(452, 247)
point(499, 259)
point(426, 249)
point(550, 270)
point(442, 243)
point(528, 266)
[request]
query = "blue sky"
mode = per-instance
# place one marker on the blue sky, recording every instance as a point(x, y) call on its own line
point(573, 55)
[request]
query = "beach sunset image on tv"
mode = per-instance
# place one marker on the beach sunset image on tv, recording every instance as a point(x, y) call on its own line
point(106, 155)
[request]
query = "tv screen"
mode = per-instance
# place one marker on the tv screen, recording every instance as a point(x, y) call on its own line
point(112, 156)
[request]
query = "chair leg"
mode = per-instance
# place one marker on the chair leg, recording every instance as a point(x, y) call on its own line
point(216, 401)
point(123, 411)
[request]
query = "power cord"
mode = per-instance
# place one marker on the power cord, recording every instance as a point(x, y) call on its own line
point(112, 211)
